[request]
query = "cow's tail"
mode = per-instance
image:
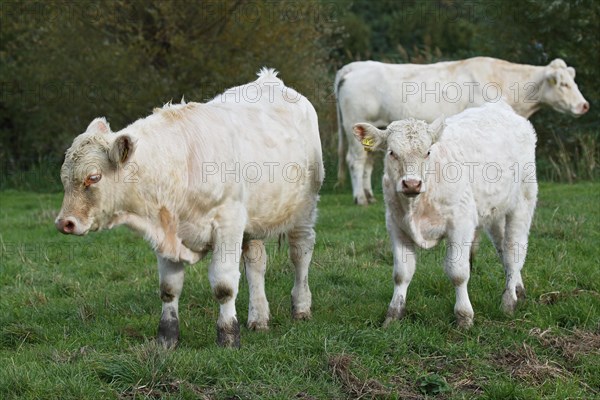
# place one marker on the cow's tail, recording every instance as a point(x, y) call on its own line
point(339, 81)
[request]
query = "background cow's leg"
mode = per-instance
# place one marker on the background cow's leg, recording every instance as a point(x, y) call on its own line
point(171, 282)
point(302, 242)
point(514, 251)
point(356, 159)
point(404, 268)
point(456, 265)
point(255, 262)
point(224, 277)
point(367, 178)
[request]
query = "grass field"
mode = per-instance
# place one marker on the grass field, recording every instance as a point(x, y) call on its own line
point(78, 315)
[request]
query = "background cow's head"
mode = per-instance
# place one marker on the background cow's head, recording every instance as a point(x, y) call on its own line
point(559, 90)
point(90, 176)
point(407, 144)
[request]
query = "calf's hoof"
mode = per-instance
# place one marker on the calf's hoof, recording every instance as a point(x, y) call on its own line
point(394, 314)
point(258, 325)
point(301, 315)
point(168, 333)
point(228, 335)
point(464, 319)
point(361, 200)
point(521, 294)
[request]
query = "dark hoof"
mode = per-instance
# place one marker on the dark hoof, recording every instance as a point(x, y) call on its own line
point(168, 333)
point(229, 335)
point(394, 314)
point(521, 295)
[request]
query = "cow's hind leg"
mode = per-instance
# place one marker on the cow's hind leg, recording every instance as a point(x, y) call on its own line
point(367, 178)
point(356, 159)
point(514, 251)
point(404, 269)
point(255, 262)
point(302, 242)
point(171, 282)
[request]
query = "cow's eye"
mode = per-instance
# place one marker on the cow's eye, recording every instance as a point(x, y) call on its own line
point(91, 179)
point(428, 153)
point(392, 154)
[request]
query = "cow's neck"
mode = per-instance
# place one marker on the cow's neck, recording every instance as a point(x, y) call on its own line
point(519, 82)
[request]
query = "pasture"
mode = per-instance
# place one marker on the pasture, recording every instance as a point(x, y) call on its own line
point(78, 315)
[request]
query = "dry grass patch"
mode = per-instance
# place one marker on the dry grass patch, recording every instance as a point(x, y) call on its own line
point(523, 363)
point(342, 366)
point(570, 346)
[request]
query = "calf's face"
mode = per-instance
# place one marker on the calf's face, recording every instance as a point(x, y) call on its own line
point(407, 145)
point(89, 176)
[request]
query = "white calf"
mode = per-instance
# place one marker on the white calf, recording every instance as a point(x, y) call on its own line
point(446, 180)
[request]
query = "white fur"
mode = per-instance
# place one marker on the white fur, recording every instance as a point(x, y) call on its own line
point(378, 93)
point(199, 177)
point(479, 174)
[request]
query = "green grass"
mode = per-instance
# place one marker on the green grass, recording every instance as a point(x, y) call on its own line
point(78, 315)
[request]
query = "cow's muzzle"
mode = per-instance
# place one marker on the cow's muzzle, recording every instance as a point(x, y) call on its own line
point(65, 225)
point(411, 187)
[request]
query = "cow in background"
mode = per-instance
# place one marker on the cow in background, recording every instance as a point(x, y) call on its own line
point(379, 93)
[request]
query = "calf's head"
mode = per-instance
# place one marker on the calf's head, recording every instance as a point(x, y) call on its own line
point(90, 179)
point(559, 90)
point(407, 144)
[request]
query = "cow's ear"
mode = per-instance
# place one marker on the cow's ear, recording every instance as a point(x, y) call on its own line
point(436, 128)
point(370, 137)
point(552, 77)
point(571, 72)
point(121, 150)
point(99, 125)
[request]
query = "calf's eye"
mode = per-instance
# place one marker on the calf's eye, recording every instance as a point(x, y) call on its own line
point(392, 154)
point(91, 179)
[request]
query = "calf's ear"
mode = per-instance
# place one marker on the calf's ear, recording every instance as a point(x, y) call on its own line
point(552, 77)
point(571, 72)
point(99, 126)
point(370, 137)
point(121, 149)
point(436, 128)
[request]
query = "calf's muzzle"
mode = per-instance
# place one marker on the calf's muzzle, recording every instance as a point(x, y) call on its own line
point(65, 225)
point(411, 187)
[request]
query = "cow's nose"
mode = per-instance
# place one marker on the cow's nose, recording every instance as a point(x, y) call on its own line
point(585, 107)
point(65, 225)
point(411, 186)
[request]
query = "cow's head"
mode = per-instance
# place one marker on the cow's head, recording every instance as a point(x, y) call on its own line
point(407, 144)
point(91, 180)
point(559, 90)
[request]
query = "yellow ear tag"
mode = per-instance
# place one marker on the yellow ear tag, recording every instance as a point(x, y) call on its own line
point(368, 143)
point(552, 81)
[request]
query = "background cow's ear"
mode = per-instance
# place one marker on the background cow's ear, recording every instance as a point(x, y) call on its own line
point(571, 72)
point(99, 125)
point(436, 128)
point(121, 150)
point(369, 136)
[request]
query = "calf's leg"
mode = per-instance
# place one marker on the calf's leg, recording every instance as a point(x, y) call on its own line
point(224, 276)
point(456, 266)
point(514, 251)
point(302, 242)
point(171, 282)
point(404, 269)
point(255, 262)
point(367, 178)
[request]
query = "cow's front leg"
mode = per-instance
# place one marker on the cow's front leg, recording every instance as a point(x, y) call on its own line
point(224, 277)
point(255, 261)
point(404, 269)
point(456, 265)
point(171, 282)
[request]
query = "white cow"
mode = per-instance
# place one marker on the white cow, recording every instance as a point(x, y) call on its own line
point(477, 171)
point(196, 177)
point(379, 93)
